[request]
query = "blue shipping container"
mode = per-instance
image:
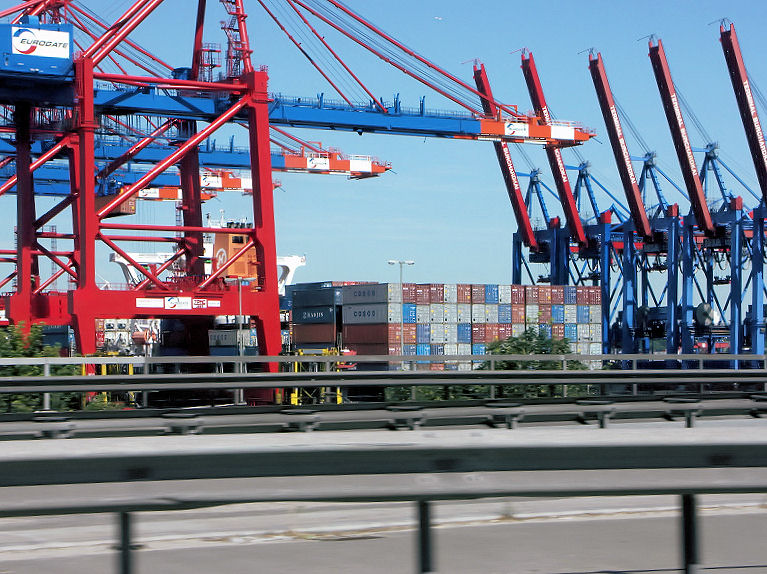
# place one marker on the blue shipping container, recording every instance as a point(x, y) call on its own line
point(545, 330)
point(438, 349)
point(557, 313)
point(314, 315)
point(464, 332)
point(491, 293)
point(408, 313)
point(317, 297)
point(409, 349)
point(286, 303)
point(583, 314)
point(422, 333)
point(423, 349)
point(571, 295)
point(571, 331)
point(504, 313)
point(478, 348)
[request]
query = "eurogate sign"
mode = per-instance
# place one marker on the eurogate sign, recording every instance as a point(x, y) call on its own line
point(44, 43)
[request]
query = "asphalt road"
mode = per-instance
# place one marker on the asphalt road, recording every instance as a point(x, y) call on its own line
point(562, 536)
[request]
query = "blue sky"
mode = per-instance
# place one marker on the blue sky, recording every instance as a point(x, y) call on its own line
point(445, 205)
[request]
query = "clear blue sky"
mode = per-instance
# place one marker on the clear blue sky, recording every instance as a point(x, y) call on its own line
point(445, 205)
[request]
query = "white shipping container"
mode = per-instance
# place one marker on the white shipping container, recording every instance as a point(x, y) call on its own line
point(395, 313)
point(478, 313)
point(464, 349)
point(595, 332)
point(437, 313)
point(504, 294)
point(595, 348)
point(531, 314)
point(491, 313)
point(366, 314)
point(437, 334)
point(465, 366)
point(451, 349)
point(228, 337)
point(571, 313)
point(451, 293)
point(451, 313)
point(517, 329)
point(451, 332)
point(463, 311)
point(582, 348)
point(395, 292)
point(584, 333)
point(422, 314)
point(595, 314)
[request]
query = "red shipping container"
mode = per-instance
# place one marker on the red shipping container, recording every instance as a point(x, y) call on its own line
point(517, 313)
point(365, 349)
point(478, 332)
point(437, 367)
point(517, 294)
point(504, 331)
point(422, 294)
point(491, 332)
point(557, 295)
point(395, 349)
point(436, 292)
point(582, 295)
point(544, 313)
point(544, 294)
point(595, 295)
point(408, 292)
point(557, 331)
point(464, 293)
point(315, 333)
point(478, 293)
point(369, 334)
point(531, 294)
point(409, 334)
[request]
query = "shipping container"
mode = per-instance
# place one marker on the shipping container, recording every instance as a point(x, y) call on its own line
point(557, 313)
point(558, 331)
point(437, 367)
point(409, 333)
point(595, 332)
point(464, 348)
point(394, 314)
point(545, 330)
point(409, 350)
point(451, 332)
point(504, 294)
point(571, 313)
point(544, 313)
point(504, 331)
point(517, 294)
point(315, 333)
point(464, 332)
point(394, 349)
point(531, 313)
point(504, 313)
point(518, 329)
point(317, 297)
point(422, 314)
point(464, 312)
point(583, 314)
point(314, 315)
point(423, 349)
point(517, 313)
point(595, 349)
point(409, 313)
point(491, 293)
point(544, 294)
point(451, 349)
point(437, 312)
point(491, 332)
point(409, 293)
point(423, 333)
point(450, 293)
point(595, 314)
point(478, 348)
point(437, 334)
point(491, 313)
point(571, 295)
point(584, 334)
point(422, 294)
point(366, 313)
point(582, 295)
point(451, 313)
point(595, 295)
point(571, 332)
point(557, 295)
point(369, 349)
point(438, 349)
point(582, 348)
point(436, 293)
point(477, 312)
point(478, 332)
point(531, 294)
point(477, 293)
point(369, 334)
point(463, 293)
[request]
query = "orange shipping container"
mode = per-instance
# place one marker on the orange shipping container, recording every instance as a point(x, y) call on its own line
point(464, 293)
point(557, 295)
point(544, 294)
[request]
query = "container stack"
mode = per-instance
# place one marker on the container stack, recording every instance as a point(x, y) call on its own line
point(443, 319)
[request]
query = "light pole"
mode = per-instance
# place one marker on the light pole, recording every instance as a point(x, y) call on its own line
point(401, 264)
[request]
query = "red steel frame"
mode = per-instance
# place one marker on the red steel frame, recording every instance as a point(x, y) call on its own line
point(553, 153)
point(207, 296)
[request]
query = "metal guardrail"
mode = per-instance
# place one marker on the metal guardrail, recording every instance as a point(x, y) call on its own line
point(412, 466)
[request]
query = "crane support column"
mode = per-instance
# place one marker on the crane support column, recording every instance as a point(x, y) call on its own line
point(629, 289)
point(681, 139)
point(757, 283)
point(620, 149)
point(554, 154)
point(504, 161)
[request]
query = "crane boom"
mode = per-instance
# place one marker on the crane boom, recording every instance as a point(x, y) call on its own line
point(553, 153)
point(504, 161)
point(618, 143)
point(746, 104)
point(681, 139)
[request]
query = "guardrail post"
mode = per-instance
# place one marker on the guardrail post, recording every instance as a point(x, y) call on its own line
point(46, 396)
point(689, 534)
point(424, 537)
point(125, 558)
